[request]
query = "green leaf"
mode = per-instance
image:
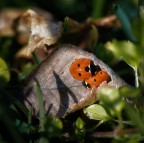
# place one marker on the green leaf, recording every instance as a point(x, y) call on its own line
point(126, 50)
point(58, 123)
point(140, 27)
point(135, 118)
point(129, 92)
point(131, 53)
point(111, 98)
point(26, 70)
point(96, 112)
point(53, 127)
point(126, 25)
point(23, 126)
point(109, 95)
point(79, 123)
point(4, 73)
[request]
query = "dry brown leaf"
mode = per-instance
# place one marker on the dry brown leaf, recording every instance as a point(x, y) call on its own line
point(23, 24)
point(9, 26)
point(7, 17)
point(36, 31)
point(87, 33)
point(41, 31)
point(84, 35)
point(41, 52)
point(106, 22)
point(22, 53)
point(62, 93)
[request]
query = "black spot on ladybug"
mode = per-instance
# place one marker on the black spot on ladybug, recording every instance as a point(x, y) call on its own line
point(79, 74)
point(94, 80)
point(78, 65)
point(101, 73)
point(87, 69)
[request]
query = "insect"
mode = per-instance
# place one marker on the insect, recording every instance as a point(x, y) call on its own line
point(97, 79)
point(83, 68)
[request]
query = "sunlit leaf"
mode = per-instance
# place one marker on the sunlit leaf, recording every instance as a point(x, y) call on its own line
point(4, 73)
point(109, 95)
point(126, 50)
point(96, 112)
point(111, 98)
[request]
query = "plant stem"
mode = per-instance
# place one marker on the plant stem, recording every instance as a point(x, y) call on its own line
point(96, 126)
point(136, 77)
point(120, 120)
point(112, 134)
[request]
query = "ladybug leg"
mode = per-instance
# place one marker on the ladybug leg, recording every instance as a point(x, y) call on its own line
point(87, 85)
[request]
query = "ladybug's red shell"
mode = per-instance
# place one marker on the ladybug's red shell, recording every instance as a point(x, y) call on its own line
point(96, 80)
point(80, 69)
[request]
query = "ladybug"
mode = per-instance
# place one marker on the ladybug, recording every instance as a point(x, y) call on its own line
point(83, 68)
point(97, 79)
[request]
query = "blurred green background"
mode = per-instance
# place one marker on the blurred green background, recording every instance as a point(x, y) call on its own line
point(77, 9)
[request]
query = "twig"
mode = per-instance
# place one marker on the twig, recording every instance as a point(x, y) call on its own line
point(113, 134)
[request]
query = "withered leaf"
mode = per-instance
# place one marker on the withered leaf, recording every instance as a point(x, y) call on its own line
point(41, 31)
point(62, 93)
point(7, 17)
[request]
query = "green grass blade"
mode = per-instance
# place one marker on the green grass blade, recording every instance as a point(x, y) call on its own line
point(42, 116)
point(40, 101)
point(98, 8)
point(6, 120)
point(135, 118)
point(125, 22)
point(36, 58)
